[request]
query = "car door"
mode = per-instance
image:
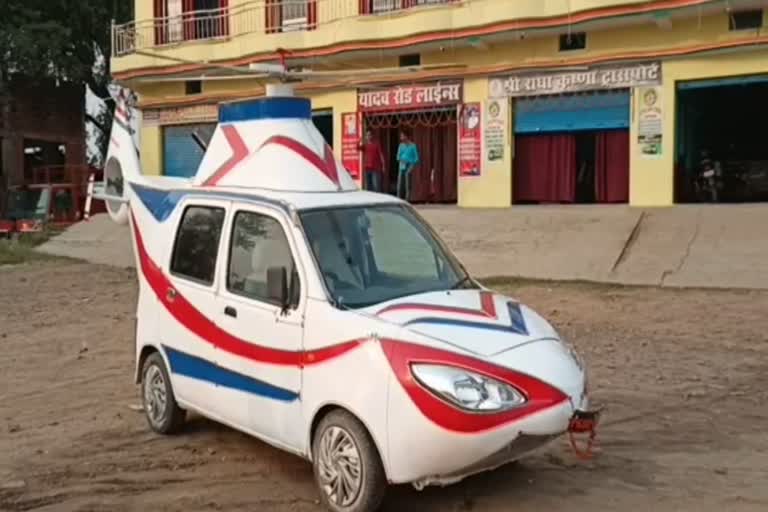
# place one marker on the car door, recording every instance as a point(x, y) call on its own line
point(187, 328)
point(265, 350)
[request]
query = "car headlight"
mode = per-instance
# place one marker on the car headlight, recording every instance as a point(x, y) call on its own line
point(467, 390)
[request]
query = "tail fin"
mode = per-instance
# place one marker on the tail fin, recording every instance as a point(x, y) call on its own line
point(122, 162)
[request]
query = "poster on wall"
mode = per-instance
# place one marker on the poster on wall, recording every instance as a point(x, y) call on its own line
point(495, 129)
point(350, 143)
point(469, 140)
point(650, 121)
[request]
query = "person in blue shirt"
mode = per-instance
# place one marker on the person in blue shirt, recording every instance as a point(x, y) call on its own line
point(407, 158)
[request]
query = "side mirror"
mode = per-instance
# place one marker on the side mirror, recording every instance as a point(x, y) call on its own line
point(277, 286)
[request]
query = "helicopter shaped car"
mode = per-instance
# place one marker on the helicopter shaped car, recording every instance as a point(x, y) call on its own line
point(278, 298)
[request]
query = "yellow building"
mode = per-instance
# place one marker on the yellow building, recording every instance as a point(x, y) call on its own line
point(514, 101)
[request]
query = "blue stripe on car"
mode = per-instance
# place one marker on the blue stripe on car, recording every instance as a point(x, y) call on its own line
point(200, 369)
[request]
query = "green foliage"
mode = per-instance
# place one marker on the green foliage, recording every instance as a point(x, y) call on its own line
point(59, 39)
point(21, 248)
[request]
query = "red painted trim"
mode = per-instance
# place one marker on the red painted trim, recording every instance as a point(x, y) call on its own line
point(191, 318)
point(326, 165)
point(540, 396)
point(487, 308)
point(239, 152)
point(529, 24)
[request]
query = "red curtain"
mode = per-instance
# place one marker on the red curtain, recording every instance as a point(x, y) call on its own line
point(311, 14)
point(435, 178)
point(274, 15)
point(545, 168)
point(188, 17)
point(160, 11)
point(612, 166)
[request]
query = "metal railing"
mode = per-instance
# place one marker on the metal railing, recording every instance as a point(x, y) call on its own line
point(259, 16)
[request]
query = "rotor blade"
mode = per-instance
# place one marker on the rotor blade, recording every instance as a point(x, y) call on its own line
point(371, 71)
point(236, 69)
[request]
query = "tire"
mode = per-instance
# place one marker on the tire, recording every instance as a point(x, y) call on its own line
point(365, 493)
point(163, 417)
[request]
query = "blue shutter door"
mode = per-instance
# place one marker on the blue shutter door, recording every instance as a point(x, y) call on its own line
point(181, 154)
point(577, 112)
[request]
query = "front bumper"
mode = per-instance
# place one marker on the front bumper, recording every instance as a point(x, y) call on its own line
point(523, 445)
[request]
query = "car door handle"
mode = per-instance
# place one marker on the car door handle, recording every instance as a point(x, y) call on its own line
point(170, 294)
point(230, 311)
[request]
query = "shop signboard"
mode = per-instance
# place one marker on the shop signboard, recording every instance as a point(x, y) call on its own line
point(495, 129)
point(650, 121)
point(350, 143)
point(469, 140)
point(181, 115)
point(415, 96)
point(620, 76)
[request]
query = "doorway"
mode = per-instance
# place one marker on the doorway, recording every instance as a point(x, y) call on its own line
point(323, 120)
point(580, 167)
point(719, 124)
point(435, 178)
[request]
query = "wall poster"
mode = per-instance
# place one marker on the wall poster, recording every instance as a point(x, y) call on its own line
point(495, 129)
point(650, 121)
point(350, 143)
point(469, 140)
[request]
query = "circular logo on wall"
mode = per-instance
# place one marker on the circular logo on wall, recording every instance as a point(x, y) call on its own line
point(494, 109)
point(650, 97)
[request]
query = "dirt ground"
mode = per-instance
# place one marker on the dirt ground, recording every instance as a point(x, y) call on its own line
point(683, 376)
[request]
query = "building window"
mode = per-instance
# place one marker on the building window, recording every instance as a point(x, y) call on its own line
point(193, 87)
point(290, 15)
point(185, 20)
point(413, 59)
point(573, 41)
point(197, 244)
point(745, 20)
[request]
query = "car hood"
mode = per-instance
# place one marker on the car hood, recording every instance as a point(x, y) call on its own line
point(477, 321)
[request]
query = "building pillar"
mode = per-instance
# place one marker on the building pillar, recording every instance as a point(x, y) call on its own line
point(151, 150)
point(493, 187)
point(651, 169)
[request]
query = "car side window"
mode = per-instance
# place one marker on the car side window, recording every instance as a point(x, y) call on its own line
point(197, 243)
point(258, 243)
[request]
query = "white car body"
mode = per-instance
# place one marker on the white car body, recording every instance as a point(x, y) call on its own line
point(273, 372)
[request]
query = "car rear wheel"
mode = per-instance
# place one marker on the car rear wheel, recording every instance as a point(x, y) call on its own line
point(163, 413)
point(347, 466)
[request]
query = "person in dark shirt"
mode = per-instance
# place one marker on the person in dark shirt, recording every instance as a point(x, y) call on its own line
point(373, 162)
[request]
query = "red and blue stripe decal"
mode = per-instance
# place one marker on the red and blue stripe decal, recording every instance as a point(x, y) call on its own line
point(239, 153)
point(515, 324)
point(326, 164)
point(539, 395)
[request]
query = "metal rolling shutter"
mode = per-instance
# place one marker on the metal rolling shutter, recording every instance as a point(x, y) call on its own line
point(591, 111)
point(181, 154)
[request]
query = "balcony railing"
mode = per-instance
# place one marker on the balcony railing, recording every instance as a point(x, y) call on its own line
point(261, 16)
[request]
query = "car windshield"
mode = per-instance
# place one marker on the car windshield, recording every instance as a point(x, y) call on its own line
point(373, 254)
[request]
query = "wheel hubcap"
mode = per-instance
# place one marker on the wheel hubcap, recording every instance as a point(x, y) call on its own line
point(155, 398)
point(339, 467)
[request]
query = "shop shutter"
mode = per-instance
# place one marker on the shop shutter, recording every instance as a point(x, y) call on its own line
point(181, 154)
point(575, 112)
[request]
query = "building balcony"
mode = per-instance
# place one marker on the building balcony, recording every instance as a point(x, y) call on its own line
point(254, 17)
point(243, 30)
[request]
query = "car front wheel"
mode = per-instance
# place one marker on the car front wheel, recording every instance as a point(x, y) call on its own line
point(347, 466)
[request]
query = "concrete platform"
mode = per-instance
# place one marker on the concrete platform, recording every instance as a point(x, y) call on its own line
point(722, 246)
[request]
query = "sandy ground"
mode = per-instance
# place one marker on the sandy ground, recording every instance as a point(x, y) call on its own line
point(683, 374)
